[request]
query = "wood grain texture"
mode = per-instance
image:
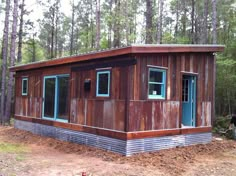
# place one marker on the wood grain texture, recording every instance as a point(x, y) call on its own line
point(153, 115)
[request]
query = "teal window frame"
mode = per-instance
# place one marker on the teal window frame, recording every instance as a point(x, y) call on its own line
point(55, 117)
point(163, 84)
point(22, 86)
point(108, 85)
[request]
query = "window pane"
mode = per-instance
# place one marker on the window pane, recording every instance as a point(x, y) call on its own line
point(49, 99)
point(156, 76)
point(63, 95)
point(24, 86)
point(103, 81)
point(185, 90)
point(155, 89)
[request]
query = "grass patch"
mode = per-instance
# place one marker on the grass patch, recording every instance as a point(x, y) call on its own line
point(20, 157)
point(12, 148)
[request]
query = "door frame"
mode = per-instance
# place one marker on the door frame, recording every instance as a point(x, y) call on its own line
point(55, 99)
point(183, 73)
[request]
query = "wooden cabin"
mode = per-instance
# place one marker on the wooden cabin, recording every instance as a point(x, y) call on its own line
point(134, 99)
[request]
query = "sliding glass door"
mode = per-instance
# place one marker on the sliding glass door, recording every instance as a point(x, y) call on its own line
point(55, 96)
point(49, 97)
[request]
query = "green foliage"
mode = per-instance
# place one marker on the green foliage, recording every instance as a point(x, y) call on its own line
point(12, 148)
point(221, 127)
point(104, 42)
point(167, 38)
point(27, 52)
point(226, 62)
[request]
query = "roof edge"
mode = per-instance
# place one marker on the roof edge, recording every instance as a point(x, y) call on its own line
point(132, 49)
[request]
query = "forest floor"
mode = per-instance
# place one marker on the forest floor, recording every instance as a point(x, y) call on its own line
point(26, 154)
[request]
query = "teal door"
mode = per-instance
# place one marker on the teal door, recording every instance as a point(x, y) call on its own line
point(55, 97)
point(189, 100)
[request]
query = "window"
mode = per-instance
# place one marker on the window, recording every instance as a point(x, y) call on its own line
point(103, 84)
point(156, 83)
point(24, 86)
point(185, 90)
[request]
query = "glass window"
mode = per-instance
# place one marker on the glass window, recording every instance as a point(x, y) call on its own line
point(63, 95)
point(24, 86)
point(185, 90)
point(156, 83)
point(49, 97)
point(103, 84)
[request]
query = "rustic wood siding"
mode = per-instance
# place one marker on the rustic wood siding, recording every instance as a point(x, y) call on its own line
point(128, 107)
point(31, 104)
point(153, 115)
point(102, 112)
point(141, 116)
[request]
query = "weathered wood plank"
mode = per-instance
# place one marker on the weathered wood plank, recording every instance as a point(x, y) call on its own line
point(119, 122)
point(108, 114)
point(147, 115)
point(157, 115)
point(98, 114)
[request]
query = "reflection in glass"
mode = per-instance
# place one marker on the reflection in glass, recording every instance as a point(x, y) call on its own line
point(63, 94)
point(24, 86)
point(49, 99)
point(103, 83)
point(155, 76)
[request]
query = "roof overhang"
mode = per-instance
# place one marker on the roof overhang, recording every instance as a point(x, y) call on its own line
point(133, 49)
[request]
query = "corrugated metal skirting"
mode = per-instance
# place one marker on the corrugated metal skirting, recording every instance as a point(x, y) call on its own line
point(123, 147)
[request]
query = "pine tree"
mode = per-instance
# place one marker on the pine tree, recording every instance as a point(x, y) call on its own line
point(149, 25)
point(22, 13)
point(159, 22)
point(214, 18)
point(98, 16)
point(4, 61)
point(12, 62)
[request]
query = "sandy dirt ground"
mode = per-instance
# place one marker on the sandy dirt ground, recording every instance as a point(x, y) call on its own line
point(26, 154)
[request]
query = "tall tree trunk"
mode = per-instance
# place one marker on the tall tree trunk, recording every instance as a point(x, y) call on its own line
point(91, 25)
point(204, 36)
point(192, 21)
point(72, 29)
point(56, 33)
point(177, 21)
point(110, 23)
point(127, 23)
point(48, 46)
point(214, 14)
point(77, 46)
point(196, 25)
point(4, 60)
point(12, 62)
point(149, 14)
point(52, 33)
point(184, 18)
point(98, 16)
point(34, 48)
point(116, 41)
point(22, 12)
point(159, 22)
